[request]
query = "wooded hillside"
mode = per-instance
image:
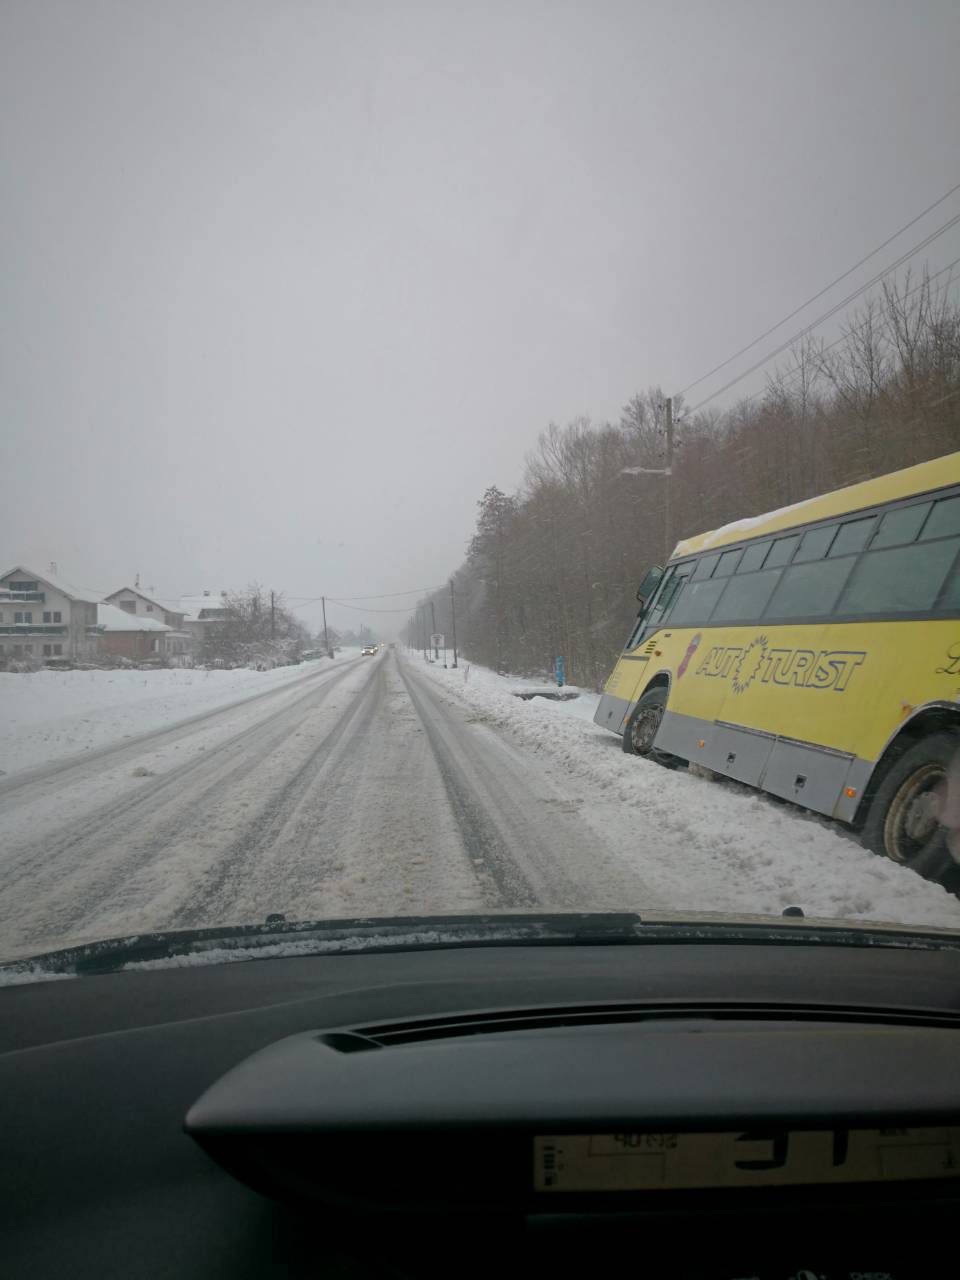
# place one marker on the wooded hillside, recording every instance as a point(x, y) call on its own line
point(553, 568)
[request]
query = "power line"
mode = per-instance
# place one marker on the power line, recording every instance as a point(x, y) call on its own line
point(802, 333)
point(359, 608)
point(389, 595)
point(826, 289)
point(795, 373)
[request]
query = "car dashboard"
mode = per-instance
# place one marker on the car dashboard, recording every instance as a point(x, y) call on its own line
point(695, 1109)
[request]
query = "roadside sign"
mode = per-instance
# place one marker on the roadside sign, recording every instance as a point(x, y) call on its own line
point(436, 641)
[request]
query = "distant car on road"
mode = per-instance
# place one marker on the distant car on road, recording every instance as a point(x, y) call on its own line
point(368, 649)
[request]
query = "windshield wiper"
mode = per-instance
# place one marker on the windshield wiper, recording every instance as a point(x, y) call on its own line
point(277, 937)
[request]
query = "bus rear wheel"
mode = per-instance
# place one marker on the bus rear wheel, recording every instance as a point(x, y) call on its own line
point(642, 726)
point(903, 821)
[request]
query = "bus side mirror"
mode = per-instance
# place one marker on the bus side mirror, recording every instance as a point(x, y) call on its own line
point(651, 580)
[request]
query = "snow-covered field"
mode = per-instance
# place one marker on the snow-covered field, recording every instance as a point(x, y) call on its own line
point(51, 715)
point(706, 844)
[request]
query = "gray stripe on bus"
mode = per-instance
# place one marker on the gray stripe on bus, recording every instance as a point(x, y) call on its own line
point(758, 759)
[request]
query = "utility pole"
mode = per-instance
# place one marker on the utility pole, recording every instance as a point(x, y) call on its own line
point(423, 632)
point(433, 623)
point(326, 642)
point(273, 617)
point(668, 481)
point(453, 621)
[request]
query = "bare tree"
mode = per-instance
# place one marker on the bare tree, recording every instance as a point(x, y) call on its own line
point(259, 630)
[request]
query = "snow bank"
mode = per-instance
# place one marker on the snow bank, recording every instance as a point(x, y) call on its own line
point(706, 844)
point(49, 715)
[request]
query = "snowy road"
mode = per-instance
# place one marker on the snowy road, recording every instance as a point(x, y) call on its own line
point(386, 786)
point(360, 789)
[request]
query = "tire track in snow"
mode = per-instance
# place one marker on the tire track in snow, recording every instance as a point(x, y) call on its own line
point(542, 830)
point(371, 833)
point(483, 844)
point(238, 865)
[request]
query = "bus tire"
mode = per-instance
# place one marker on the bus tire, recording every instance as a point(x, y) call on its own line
point(641, 728)
point(902, 820)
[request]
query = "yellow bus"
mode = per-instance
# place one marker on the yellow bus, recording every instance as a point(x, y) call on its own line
point(813, 652)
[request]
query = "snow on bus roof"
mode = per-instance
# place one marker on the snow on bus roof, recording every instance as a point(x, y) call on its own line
point(728, 532)
point(924, 477)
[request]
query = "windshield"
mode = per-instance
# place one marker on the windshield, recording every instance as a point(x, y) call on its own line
point(359, 362)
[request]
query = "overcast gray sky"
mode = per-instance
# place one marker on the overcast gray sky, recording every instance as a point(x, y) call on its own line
point(286, 284)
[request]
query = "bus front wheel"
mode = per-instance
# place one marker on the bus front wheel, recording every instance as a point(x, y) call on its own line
point(903, 821)
point(642, 726)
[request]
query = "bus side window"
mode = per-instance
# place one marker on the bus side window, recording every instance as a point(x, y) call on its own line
point(815, 543)
point(746, 596)
point(728, 563)
point(899, 579)
point(900, 525)
point(809, 590)
point(950, 599)
point(705, 566)
point(753, 557)
point(781, 551)
point(944, 520)
point(852, 536)
point(696, 604)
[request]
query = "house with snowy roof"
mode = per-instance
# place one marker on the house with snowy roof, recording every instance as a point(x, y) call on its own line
point(204, 612)
point(125, 635)
point(42, 616)
point(180, 645)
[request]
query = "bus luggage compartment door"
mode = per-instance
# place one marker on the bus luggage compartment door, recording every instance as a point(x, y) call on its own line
point(737, 751)
point(807, 774)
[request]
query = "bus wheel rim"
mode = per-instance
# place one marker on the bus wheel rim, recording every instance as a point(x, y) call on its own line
point(911, 821)
point(644, 728)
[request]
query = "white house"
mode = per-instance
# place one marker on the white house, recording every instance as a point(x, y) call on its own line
point(43, 617)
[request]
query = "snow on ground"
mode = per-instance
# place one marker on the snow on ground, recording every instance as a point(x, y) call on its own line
point(583, 705)
point(705, 844)
point(51, 715)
